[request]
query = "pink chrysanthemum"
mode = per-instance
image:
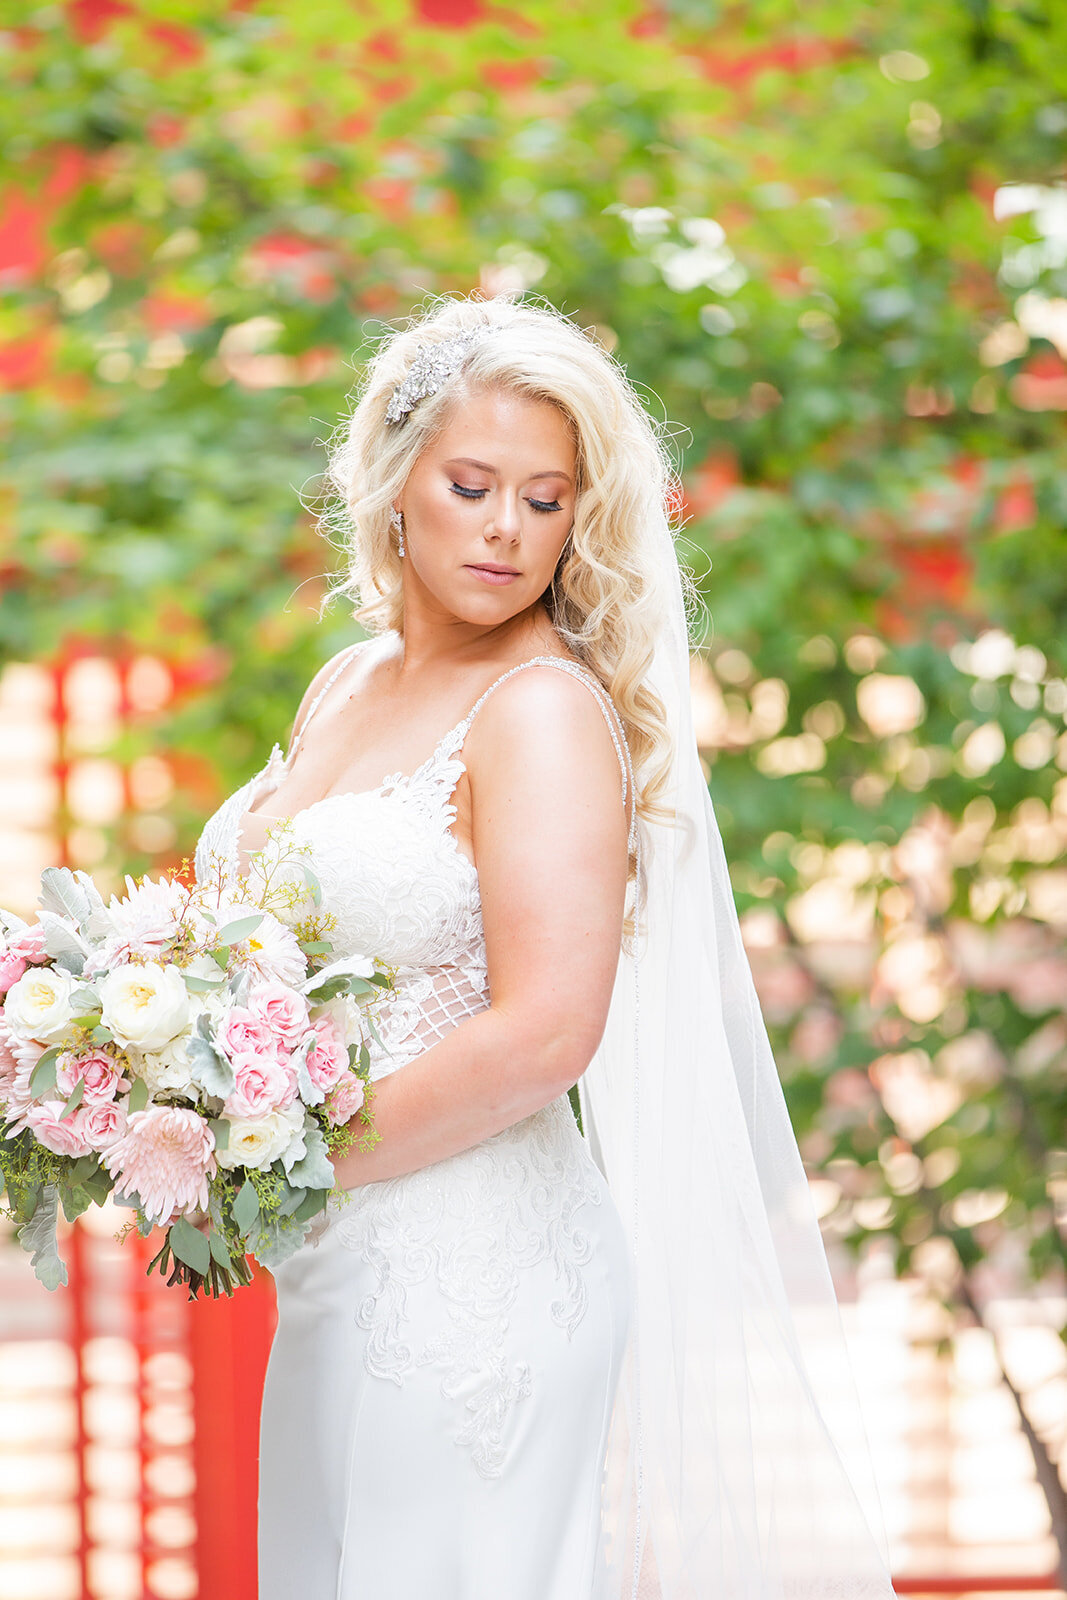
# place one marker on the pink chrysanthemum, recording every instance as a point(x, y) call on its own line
point(166, 1156)
point(143, 922)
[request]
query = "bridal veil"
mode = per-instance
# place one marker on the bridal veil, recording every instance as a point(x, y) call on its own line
point(738, 1467)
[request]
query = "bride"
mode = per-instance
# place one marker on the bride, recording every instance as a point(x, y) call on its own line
point(519, 1359)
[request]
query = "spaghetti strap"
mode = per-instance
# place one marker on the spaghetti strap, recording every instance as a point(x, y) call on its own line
point(599, 693)
point(346, 657)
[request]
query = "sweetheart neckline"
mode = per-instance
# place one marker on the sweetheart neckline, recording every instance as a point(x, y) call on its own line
point(393, 779)
point(392, 782)
point(400, 781)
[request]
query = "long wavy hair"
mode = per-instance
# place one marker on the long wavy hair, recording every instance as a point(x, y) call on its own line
point(605, 595)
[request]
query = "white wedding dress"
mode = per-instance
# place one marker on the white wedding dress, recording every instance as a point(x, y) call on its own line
point(449, 1343)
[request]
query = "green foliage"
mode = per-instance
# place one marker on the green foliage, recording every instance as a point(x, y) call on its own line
point(783, 221)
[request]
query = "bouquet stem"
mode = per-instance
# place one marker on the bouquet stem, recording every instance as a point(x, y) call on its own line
point(216, 1281)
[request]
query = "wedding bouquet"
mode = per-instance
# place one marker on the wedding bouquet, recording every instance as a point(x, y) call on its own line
point(190, 1048)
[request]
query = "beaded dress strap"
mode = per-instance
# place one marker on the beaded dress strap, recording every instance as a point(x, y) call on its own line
point(330, 681)
point(611, 717)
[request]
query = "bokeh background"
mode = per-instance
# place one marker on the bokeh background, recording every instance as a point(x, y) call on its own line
point(829, 242)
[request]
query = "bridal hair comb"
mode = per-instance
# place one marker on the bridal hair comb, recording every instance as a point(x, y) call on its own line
point(433, 365)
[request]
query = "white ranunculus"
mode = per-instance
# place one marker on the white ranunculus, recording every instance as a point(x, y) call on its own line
point(145, 1005)
point(38, 1005)
point(257, 1141)
point(167, 1070)
point(343, 1012)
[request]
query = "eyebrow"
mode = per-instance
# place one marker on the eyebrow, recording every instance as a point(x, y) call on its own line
point(469, 461)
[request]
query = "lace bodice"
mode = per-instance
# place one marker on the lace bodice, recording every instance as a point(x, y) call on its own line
point(393, 874)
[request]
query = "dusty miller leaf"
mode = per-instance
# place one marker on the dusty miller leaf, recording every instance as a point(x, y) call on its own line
point(38, 1238)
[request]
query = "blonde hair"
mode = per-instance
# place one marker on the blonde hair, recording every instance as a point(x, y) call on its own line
point(605, 599)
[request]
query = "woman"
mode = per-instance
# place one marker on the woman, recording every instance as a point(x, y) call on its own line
point(520, 1363)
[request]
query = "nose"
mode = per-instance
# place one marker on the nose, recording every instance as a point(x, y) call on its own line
point(504, 519)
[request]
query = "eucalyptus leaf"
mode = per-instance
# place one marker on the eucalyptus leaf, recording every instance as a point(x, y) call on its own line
point(99, 1185)
point(291, 1202)
point(189, 1245)
point(102, 1035)
point(138, 1097)
point(313, 1202)
point(43, 1076)
point(74, 1099)
point(197, 985)
point(219, 1248)
point(240, 928)
point(245, 1206)
point(220, 1127)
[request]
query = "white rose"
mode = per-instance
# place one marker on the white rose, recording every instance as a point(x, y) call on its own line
point(257, 1141)
point(38, 1005)
point(145, 1005)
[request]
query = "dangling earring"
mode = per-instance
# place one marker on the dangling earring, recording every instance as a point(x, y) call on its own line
point(397, 520)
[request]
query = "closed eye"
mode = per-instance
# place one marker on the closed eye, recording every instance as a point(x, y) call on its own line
point(478, 494)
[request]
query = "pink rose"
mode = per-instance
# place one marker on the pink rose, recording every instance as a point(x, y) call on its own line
point(328, 1057)
point(29, 945)
point(97, 1069)
point(345, 1099)
point(166, 1156)
point(12, 966)
point(282, 1010)
point(244, 1033)
point(66, 1138)
point(261, 1085)
point(103, 1124)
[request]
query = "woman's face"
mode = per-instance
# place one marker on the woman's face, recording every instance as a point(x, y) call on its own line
point(488, 507)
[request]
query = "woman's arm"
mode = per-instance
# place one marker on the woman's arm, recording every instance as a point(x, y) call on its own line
point(549, 832)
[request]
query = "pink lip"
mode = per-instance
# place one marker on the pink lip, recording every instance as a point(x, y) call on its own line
point(491, 573)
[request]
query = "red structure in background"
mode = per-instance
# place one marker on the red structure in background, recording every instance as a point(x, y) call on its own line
point(197, 1418)
point(229, 1341)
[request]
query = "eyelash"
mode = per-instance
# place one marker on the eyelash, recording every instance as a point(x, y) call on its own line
point(476, 494)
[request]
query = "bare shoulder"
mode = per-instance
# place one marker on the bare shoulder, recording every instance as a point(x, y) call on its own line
point(322, 678)
point(549, 720)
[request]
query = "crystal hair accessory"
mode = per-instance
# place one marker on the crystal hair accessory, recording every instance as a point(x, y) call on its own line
point(433, 365)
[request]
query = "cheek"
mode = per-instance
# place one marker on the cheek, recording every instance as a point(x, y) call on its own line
point(440, 511)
